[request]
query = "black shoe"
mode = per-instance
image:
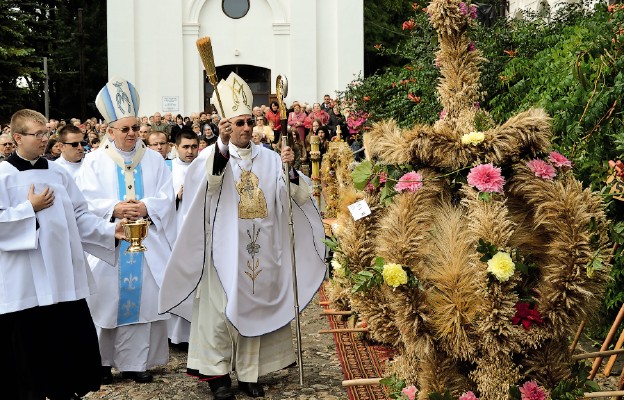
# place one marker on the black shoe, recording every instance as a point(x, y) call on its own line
point(251, 389)
point(139, 377)
point(223, 393)
point(107, 375)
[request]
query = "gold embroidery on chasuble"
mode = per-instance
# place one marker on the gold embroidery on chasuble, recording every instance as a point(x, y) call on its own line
point(252, 203)
point(253, 265)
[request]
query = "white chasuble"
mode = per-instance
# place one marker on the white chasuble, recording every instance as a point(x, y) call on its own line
point(252, 256)
point(41, 261)
point(99, 181)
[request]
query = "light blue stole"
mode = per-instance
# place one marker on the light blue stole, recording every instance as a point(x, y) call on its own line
point(130, 264)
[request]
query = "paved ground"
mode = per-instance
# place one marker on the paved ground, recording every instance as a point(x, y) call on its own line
point(322, 373)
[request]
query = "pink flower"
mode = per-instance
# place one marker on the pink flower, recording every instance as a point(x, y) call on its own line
point(442, 114)
point(410, 392)
point(369, 188)
point(559, 160)
point(463, 8)
point(473, 11)
point(409, 25)
point(486, 178)
point(471, 46)
point(410, 182)
point(468, 396)
point(383, 176)
point(542, 169)
point(532, 391)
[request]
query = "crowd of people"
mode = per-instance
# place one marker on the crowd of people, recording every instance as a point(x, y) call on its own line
point(325, 120)
point(76, 303)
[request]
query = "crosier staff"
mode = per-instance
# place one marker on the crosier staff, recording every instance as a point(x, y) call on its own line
point(281, 89)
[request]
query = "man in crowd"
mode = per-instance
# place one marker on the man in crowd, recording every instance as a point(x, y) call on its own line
point(158, 125)
point(6, 146)
point(72, 149)
point(48, 343)
point(327, 104)
point(234, 247)
point(144, 131)
point(187, 145)
point(157, 141)
point(123, 179)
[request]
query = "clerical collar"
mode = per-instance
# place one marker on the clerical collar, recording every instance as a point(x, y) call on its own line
point(32, 162)
point(22, 164)
point(242, 152)
point(127, 155)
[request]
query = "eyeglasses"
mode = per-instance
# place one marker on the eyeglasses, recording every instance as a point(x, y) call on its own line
point(75, 144)
point(126, 129)
point(37, 135)
point(6, 144)
point(240, 122)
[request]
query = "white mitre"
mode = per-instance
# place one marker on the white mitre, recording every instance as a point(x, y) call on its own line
point(236, 97)
point(118, 99)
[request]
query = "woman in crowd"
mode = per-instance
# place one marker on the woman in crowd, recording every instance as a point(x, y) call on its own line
point(273, 120)
point(297, 120)
point(319, 114)
point(175, 130)
point(263, 130)
point(336, 119)
point(53, 149)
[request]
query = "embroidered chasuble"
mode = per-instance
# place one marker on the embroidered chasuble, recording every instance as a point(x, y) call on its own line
point(242, 214)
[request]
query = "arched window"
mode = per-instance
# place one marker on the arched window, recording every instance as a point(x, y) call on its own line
point(235, 8)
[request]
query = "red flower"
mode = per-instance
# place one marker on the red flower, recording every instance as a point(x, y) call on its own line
point(394, 84)
point(404, 82)
point(510, 53)
point(378, 46)
point(366, 98)
point(409, 67)
point(415, 6)
point(526, 315)
point(409, 25)
point(412, 97)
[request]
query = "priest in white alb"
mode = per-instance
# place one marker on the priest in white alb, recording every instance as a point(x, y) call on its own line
point(125, 179)
point(48, 343)
point(72, 149)
point(187, 148)
point(233, 253)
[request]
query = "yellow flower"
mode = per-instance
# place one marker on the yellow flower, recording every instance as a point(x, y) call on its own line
point(501, 266)
point(473, 138)
point(337, 268)
point(394, 275)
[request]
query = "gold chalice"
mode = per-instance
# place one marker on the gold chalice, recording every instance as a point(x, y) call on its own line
point(136, 232)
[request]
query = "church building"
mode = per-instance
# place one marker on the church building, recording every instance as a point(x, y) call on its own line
point(317, 44)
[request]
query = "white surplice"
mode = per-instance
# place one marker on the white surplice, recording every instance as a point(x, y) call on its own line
point(98, 180)
point(71, 167)
point(46, 265)
point(178, 328)
point(248, 328)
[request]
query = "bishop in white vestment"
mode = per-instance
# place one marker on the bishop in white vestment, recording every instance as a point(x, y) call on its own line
point(233, 254)
point(124, 179)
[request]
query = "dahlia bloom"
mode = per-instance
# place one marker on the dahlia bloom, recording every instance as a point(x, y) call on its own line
point(410, 392)
point(468, 396)
point(472, 138)
point(383, 177)
point(394, 275)
point(532, 391)
point(410, 182)
point(542, 169)
point(501, 266)
point(559, 160)
point(486, 178)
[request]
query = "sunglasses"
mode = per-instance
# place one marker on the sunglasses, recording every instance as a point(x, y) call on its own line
point(126, 129)
point(240, 122)
point(75, 144)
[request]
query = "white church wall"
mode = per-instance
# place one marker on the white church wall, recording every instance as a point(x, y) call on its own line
point(317, 44)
